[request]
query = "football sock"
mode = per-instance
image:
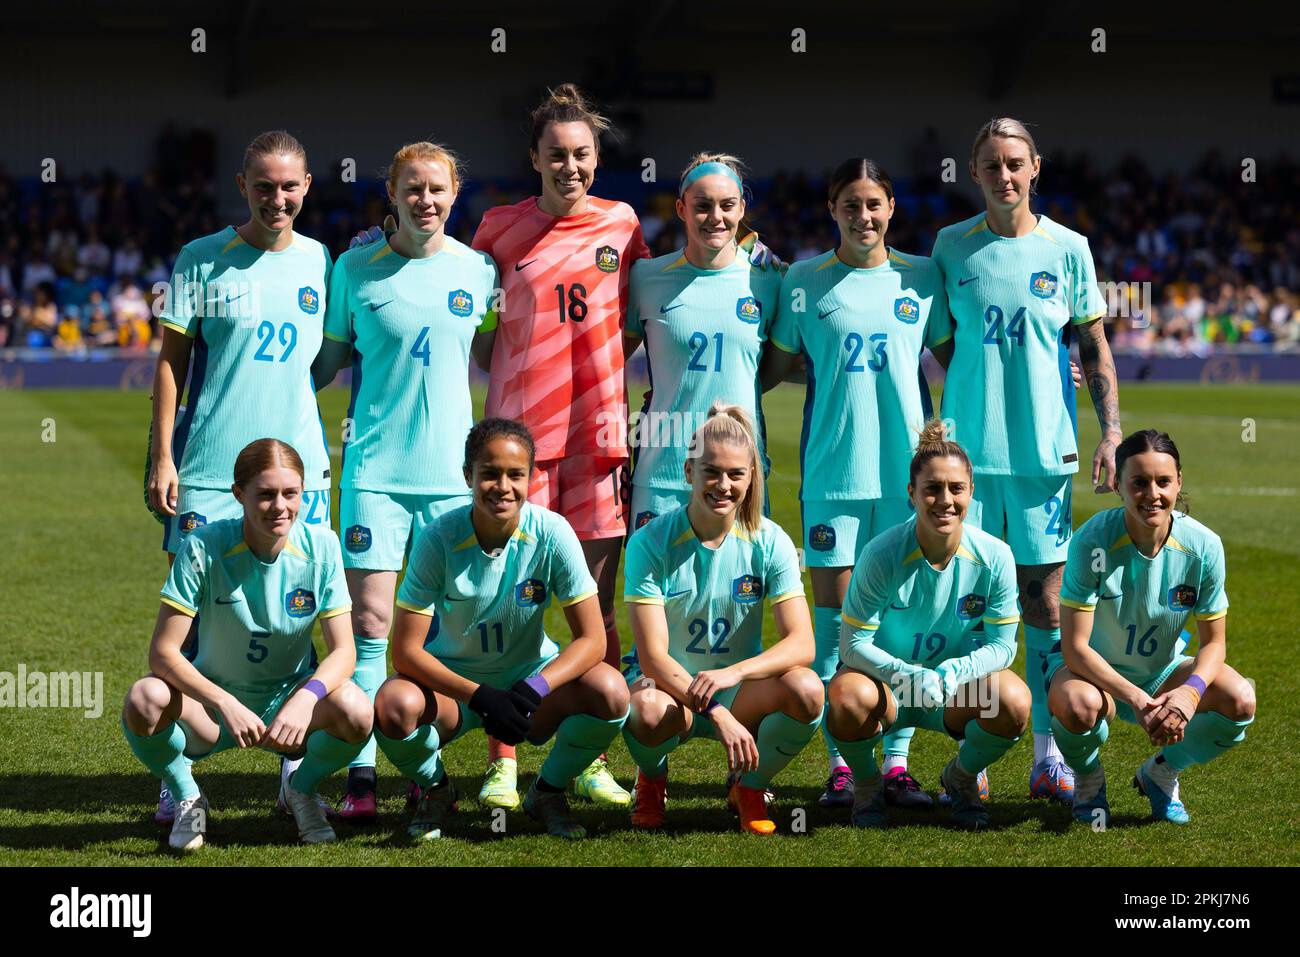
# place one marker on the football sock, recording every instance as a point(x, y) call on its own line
point(780, 738)
point(1082, 752)
point(861, 757)
point(579, 740)
point(826, 639)
point(1038, 644)
point(325, 755)
point(981, 748)
point(1208, 735)
point(163, 753)
point(651, 759)
point(417, 756)
point(371, 670)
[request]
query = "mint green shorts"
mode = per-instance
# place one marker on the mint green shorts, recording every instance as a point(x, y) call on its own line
point(378, 528)
point(1032, 515)
point(264, 704)
point(648, 503)
point(836, 530)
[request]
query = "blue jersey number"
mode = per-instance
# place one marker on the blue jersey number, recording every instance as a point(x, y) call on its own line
point(496, 631)
point(854, 344)
point(266, 334)
point(1058, 518)
point(257, 651)
point(934, 643)
point(420, 350)
point(699, 630)
point(993, 327)
point(700, 343)
point(1146, 645)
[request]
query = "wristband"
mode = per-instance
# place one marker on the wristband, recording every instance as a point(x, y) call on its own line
point(316, 687)
point(538, 684)
point(713, 703)
point(1197, 684)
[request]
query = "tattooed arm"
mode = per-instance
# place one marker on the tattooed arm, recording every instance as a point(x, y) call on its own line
point(1099, 373)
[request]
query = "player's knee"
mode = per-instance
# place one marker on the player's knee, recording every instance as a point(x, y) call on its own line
point(397, 714)
point(608, 692)
point(1240, 700)
point(372, 622)
point(356, 713)
point(849, 705)
point(805, 693)
point(1014, 703)
point(1080, 709)
point(145, 704)
point(648, 718)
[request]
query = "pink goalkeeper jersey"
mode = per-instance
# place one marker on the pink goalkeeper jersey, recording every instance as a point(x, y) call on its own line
point(557, 363)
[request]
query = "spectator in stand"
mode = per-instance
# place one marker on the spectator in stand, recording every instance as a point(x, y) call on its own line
point(38, 271)
point(42, 318)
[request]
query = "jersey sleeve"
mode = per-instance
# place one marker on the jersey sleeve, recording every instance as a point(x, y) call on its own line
point(641, 580)
point(635, 326)
point(1080, 583)
point(1212, 600)
point(187, 581)
point(338, 306)
point(422, 588)
point(635, 250)
point(1000, 621)
point(335, 599)
point(179, 311)
point(939, 326)
point(1088, 303)
point(785, 328)
point(866, 600)
point(571, 582)
point(784, 580)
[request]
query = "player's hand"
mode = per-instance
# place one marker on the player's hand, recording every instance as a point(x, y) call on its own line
point(288, 731)
point(1103, 463)
point(506, 715)
point(374, 233)
point(706, 684)
point(1076, 374)
point(927, 689)
point(164, 484)
point(742, 752)
point(244, 726)
point(759, 254)
point(1180, 705)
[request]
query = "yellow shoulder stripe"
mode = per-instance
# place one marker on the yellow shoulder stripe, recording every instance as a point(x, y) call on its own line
point(1002, 621)
point(170, 324)
point(566, 602)
point(895, 258)
point(850, 620)
point(182, 608)
point(1208, 615)
point(831, 260)
point(982, 224)
point(679, 261)
point(787, 596)
point(642, 600)
point(1077, 605)
point(237, 241)
point(416, 609)
point(380, 253)
point(334, 612)
point(469, 542)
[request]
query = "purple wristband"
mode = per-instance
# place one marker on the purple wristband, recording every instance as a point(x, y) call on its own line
point(538, 684)
point(713, 703)
point(316, 687)
point(1198, 683)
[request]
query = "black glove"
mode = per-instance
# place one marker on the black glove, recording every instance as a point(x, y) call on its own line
point(528, 693)
point(506, 715)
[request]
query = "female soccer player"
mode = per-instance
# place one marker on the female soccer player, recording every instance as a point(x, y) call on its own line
point(861, 315)
point(407, 311)
point(929, 635)
point(489, 570)
point(248, 304)
point(1134, 576)
point(258, 584)
point(705, 314)
point(695, 581)
point(1017, 283)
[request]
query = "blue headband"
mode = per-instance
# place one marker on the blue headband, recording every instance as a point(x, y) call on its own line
point(708, 169)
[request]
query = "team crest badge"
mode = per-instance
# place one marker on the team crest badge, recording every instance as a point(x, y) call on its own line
point(1043, 285)
point(459, 302)
point(189, 521)
point(1182, 597)
point(821, 538)
point(300, 603)
point(309, 300)
point(530, 591)
point(907, 310)
point(643, 518)
point(357, 538)
point(607, 259)
point(970, 606)
point(747, 589)
point(749, 309)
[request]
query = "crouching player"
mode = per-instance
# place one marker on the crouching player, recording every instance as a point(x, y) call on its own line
point(695, 580)
point(257, 583)
point(1133, 576)
point(489, 570)
point(928, 637)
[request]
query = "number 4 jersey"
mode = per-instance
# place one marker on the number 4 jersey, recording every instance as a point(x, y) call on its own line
point(255, 318)
point(410, 323)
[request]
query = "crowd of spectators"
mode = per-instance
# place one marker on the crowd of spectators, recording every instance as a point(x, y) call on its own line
point(1189, 260)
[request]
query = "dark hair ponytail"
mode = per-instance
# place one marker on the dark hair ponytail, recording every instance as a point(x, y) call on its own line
point(1150, 440)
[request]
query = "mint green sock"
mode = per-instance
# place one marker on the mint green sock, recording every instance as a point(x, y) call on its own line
point(826, 657)
point(1038, 643)
point(1082, 752)
point(780, 738)
point(981, 748)
point(418, 755)
point(163, 754)
point(899, 743)
point(651, 759)
point(579, 740)
point(860, 756)
point(325, 755)
point(371, 670)
point(1207, 736)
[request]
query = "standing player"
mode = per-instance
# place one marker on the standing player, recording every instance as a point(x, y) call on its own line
point(705, 313)
point(860, 315)
point(248, 303)
point(259, 581)
point(489, 570)
point(1121, 637)
point(407, 311)
point(695, 582)
point(1017, 285)
point(929, 636)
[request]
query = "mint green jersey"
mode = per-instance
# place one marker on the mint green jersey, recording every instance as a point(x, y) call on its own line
point(704, 332)
point(902, 616)
point(712, 597)
point(255, 618)
point(491, 608)
point(410, 323)
point(1009, 393)
point(861, 332)
point(256, 319)
point(1141, 604)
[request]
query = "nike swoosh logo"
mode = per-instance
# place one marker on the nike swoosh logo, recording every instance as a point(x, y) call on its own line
point(228, 601)
point(675, 594)
point(962, 282)
point(376, 306)
point(823, 315)
point(788, 754)
point(672, 307)
point(1108, 597)
point(519, 266)
point(897, 607)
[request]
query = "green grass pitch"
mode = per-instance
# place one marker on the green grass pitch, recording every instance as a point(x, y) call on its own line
point(82, 567)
